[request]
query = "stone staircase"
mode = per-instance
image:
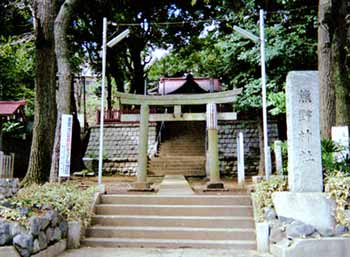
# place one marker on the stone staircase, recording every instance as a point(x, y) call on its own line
point(182, 152)
point(173, 221)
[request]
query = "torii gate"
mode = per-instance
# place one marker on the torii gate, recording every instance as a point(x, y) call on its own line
point(211, 116)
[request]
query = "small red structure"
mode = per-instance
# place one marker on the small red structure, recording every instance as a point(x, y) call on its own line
point(12, 108)
point(188, 85)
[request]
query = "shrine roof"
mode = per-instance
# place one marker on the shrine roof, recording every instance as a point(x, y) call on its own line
point(182, 84)
point(10, 107)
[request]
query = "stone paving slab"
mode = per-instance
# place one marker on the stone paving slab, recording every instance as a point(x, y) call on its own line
point(152, 252)
point(175, 185)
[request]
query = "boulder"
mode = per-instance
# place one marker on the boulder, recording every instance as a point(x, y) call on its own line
point(299, 230)
point(24, 244)
point(315, 209)
point(42, 240)
point(5, 233)
point(34, 225)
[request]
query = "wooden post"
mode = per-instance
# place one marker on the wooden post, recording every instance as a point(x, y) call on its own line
point(141, 182)
point(213, 150)
point(12, 165)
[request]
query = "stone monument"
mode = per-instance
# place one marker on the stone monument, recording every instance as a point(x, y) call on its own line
point(303, 123)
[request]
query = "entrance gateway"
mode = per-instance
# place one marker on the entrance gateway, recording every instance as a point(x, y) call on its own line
point(177, 101)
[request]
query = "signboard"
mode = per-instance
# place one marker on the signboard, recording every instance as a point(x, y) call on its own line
point(341, 136)
point(65, 145)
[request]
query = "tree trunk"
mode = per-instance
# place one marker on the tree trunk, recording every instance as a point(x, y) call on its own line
point(45, 92)
point(333, 67)
point(340, 67)
point(64, 101)
point(137, 81)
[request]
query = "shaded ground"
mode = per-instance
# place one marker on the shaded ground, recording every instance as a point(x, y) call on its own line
point(121, 184)
point(151, 252)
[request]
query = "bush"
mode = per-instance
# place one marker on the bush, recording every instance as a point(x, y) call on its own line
point(68, 199)
point(263, 194)
point(338, 186)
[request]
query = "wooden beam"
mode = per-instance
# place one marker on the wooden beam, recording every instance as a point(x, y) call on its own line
point(183, 117)
point(168, 100)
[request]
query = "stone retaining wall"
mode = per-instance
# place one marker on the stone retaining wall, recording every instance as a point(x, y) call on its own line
point(8, 187)
point(228, 131)
point(42, 232)
point(120, 147)
point(121, 141)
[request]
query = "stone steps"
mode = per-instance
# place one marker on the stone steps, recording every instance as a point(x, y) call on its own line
point(178, 233)
point(174, 210)
point(177, 200)
point(169, 243)
point(173, 221)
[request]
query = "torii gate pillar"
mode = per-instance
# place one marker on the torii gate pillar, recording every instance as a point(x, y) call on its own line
point(213, 150)
point(141, 176)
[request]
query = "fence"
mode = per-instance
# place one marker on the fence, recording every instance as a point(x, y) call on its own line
point(6, 165)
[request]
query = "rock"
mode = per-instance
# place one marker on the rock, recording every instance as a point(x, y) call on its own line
point(7, 204)
point(64, 228)
point(57, 235)
point(299, 229)
point(34, 225)
point(44, 222)
point(277, 234)
point(269, 214)
point(285, 220)
point(326, 232)
point(16, 229)
point(23, 211)
point(5, 233)
point(42, 240)
point(316, 209)
point(52, 216)
point(23, 244)
point(50, 234)
point(36, 246)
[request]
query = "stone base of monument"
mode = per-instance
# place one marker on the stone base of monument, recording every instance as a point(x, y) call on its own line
point(141, 187)
point(320, 247)
point(315, 209)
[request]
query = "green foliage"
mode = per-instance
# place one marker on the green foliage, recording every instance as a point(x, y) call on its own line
point(223, 53)
point(68, 199)
point(263, 194)
point(338, 186)
point(330, 165)
point(12, 127)
point(17, 71)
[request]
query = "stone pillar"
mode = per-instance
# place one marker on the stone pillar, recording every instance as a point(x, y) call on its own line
point(142, 159)
point(303, 122)
point(240, 159)
point(278, 157)
point(213, 148)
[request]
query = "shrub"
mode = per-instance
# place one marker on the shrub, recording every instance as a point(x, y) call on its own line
point(263, 194)
point(338, 186)
point(68, 199)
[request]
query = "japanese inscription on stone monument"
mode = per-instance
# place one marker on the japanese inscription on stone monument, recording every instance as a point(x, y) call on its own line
point(303, 124)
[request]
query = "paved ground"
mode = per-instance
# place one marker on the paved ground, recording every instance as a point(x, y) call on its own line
point(151, 252)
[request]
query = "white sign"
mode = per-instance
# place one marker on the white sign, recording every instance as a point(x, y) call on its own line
point(65, 145)
point(212, 119)
point(341, 136)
